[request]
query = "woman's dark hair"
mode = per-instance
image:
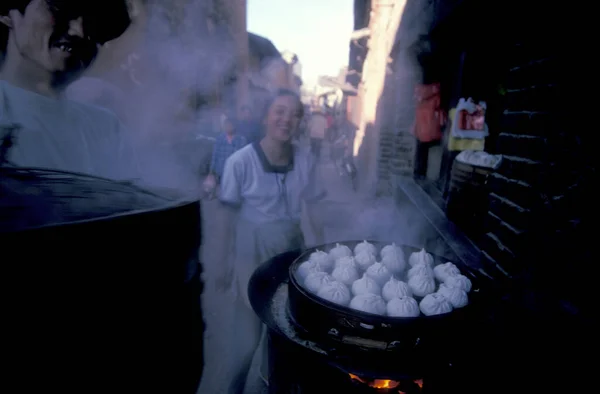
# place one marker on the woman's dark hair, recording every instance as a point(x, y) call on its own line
point(281, 93)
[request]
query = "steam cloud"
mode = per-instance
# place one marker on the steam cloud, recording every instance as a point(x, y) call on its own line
point(180, 61)
point(172, 67)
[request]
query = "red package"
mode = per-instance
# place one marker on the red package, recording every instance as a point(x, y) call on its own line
point(477, 121)
point(463, 119)
point(429, 115)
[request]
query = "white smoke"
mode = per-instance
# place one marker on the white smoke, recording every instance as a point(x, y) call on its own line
point(175, 61)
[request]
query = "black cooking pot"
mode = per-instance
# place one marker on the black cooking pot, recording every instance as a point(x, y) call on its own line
point(100, 284)
point(270, 293)
point(331, 321)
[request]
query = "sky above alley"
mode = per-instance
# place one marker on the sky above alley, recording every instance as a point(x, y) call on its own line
point(318, 31)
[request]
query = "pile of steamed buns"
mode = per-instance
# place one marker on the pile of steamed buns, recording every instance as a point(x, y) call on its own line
point(385, 287)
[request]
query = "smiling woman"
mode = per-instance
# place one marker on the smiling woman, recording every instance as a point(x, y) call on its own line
point(266, 184)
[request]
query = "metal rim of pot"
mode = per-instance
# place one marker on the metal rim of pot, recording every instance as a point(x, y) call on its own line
point(34, 172)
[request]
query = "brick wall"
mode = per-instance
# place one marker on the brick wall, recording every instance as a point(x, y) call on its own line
point(526, 141)
point(541, 195)
point(541, 199)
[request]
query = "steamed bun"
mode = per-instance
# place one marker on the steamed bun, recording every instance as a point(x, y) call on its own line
point(306, 268)
point(392, 249)
point(379, 273)
point(403, 307)
point(394, 262)
point(443, 271)
point(421, 285)
point(460, 281)
point(420, 269)
point(421, 257)
point(335, 292)
point(394, 288)
point(346, 260)
point(364, 260)
point(366, 247)
point(435, 304)
point(315, 280)
point(369, 303)
point(339, 251)
point(321, 258)
point(346, 274)
point(365, 285)
point(457, 297)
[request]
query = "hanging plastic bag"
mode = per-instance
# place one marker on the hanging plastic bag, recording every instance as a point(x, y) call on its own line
point(460, 144)
point(470, 120)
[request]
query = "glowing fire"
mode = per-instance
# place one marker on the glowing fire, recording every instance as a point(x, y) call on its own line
point(377, 383)
point(384, 384)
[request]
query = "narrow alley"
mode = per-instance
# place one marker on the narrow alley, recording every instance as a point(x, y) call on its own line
point(295, 197)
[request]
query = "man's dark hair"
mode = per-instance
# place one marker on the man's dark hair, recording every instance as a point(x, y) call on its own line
point(110, 17)
point(5, 7)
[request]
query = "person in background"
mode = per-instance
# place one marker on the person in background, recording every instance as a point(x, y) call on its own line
point(46, 45)
point(317, 127)
point(266, 186)
point(247, 126)
point(226, 144)
point(302, 139)
point(329, 116)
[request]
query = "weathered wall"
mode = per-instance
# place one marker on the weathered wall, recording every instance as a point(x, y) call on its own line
point(383, 21)
point(392, 147)
point(396, 148)
point(397, 144)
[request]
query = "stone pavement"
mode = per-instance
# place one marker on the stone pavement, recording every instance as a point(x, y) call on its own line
point(342, 214)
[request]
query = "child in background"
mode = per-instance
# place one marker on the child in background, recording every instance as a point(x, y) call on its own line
point(226, 143)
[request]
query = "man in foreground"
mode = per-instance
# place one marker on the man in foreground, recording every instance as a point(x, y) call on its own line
point(45, 45)
point(100, 327)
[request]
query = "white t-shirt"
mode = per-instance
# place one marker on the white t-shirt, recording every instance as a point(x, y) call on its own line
point(265, 193)
point(64, 135)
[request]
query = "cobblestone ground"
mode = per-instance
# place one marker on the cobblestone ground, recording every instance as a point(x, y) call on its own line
point(343, 216)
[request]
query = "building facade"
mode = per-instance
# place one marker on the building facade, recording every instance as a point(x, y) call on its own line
point(295, 69)
point(536, 200)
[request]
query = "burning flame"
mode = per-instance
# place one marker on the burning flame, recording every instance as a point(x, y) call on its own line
point(384, 384)
point(377, 383)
